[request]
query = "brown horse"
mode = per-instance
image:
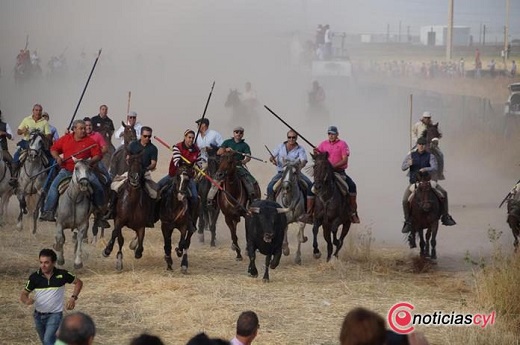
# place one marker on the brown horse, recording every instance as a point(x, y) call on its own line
point(233, 201)
point(513, 213)
point(331, 209)
point(118, 164)
point(432, 135)
point(208, 213)
point(106, 132)
point(425, 212)
point(173, 214)
point(132, 209)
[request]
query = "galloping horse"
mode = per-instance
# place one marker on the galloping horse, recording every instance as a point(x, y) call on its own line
point(227, 173)
point(425, 212)
point(432, 135)
point(74, 207)
point(291, 196)
point(332, 208)
point(34, 161)
point(208, 214)
point(513, 213)
point(6, 191)
point(132, 209)
point(173, 214)
point(118, 164)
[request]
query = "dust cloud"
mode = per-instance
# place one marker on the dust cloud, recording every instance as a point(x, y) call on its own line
point(167, 53)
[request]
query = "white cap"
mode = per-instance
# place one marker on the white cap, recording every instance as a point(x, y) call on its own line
point(426, 114)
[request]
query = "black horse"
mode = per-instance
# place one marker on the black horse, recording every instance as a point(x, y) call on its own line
point(332, 207)
point(208, 213)
point(425, 212)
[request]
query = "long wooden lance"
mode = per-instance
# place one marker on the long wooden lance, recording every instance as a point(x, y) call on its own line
point(290, 127)
point(84, 89)
point(204, 113)
point(203, 173)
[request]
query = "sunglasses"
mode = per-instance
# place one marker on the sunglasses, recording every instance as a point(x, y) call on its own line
point(291, 137)
point(132, 117)
point(146, 136)
point(239, 132)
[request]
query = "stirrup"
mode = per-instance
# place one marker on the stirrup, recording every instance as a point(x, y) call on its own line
point(407, 227)
point(447, 220)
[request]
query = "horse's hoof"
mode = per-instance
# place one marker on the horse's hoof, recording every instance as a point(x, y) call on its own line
point(138, 255)
point(184, 269)
point(317, 255)
point(105, 253)
point(265, 280)
point(286, 251)
point(238, 258)
point(178, 252)
point(169, 268)
point(253, 275)
point(19, 226)
point(201, 237)
point(298, 261)
point(212, 244)
point(78, 266)
point(119, 266)
point(305, 239)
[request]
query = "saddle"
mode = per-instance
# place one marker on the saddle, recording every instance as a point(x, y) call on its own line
point(150, 186)
point(301, 183)
point(433, 184)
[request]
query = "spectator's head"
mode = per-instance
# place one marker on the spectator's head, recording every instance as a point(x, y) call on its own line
point(203, 339)
point(203, 124)
point(77, 329)
point(103, 110)
point(362, 327)
point(46, 116)
point(131, 118)
point(47, 259)
point(146, 339)
point(247, 325)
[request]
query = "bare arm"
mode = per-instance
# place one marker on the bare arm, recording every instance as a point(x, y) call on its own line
point(25, 299)
point(342, 162)
point(78, 285)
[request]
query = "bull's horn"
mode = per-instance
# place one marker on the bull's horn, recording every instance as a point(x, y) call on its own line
point(254, 209)
point(282, 210)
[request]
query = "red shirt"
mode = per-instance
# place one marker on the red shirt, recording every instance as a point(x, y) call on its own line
point(179, 150)
point(67, 146)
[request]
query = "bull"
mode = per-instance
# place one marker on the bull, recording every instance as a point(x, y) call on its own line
point(265, 229)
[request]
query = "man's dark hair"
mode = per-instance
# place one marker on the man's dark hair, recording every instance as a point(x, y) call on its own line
point(203, 339)
point(49, 253)
point(87, 119)
point(76, 329)
point(146, 339)
point(146, 128)
point(247, 323)
point(362, 326)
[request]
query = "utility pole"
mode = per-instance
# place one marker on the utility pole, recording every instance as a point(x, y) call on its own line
point(506, 30)
point(387, 33)
point(399, 32)
point(449, 41)
point(480, 35)
point(484, 35)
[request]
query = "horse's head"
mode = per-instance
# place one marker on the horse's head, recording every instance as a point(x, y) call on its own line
point(233, 98)
point(213, 162)
point(36, 144)
point(432, 131)
point(80, 174)
point(424, 191)
point(129, 134)
point(181, 182)
point(135, 169)
point(322, 170)
point(291, 169)
point(227, 166)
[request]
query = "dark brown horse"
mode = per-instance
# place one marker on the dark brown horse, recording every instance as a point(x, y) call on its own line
point(106, 132)
point(331, 209)
point(132, 209)
point(432, 135)
point(118, 164)
point(235, 206)
point(208, 213)
point(513, 213)
point(174, 214)
point(425, 212)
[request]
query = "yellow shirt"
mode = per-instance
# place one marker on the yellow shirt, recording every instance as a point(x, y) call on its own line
point(41, 124)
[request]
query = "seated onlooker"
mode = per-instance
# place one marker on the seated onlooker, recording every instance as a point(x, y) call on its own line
point(247, 328)
point(203, 339)
point(76, 329)
point(146, 339)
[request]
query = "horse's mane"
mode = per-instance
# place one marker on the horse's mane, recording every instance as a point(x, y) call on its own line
point(320, 159)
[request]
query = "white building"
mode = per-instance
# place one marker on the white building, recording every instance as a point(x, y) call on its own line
point(437, 35)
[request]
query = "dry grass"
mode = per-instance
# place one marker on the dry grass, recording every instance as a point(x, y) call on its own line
point(302, 304)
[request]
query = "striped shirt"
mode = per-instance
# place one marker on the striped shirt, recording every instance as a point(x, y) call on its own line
point(49, 293)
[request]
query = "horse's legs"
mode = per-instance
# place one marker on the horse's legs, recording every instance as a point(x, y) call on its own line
point(36, 211)
point(167, 236)
point(58, 244)
point(327, 235)
point(203, 222)
point(422, 243)
point(111, 242)
point(213, 213)
point(344, 231)
point(232, 225)
point(82, 231)
point(23, 209)
point(285, 244)
point(140, 239)
point(316, 250)
point(184, 243)
point(120, 243)
point(434, 229)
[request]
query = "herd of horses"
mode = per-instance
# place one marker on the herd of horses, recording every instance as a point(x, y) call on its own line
point(134, 205)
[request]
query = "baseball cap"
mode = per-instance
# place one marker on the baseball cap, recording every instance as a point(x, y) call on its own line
point(238, 128)
point(132, 113)
point(332, 130)
point(427, 114)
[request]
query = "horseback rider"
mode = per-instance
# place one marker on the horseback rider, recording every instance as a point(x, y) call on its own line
point(316, 96)
point(186, 149)
point(237, 145)
point(208, 140)
point(248, 97)
point(131, 120)
point(339, 153)
point(54, 131)
point(419, 160)
point(69, 145)
point(291, 150)
point(98, 138)
point(28, 124)
point(149, 163)
point(6, 133)
point(419, 127)
point(102, 121)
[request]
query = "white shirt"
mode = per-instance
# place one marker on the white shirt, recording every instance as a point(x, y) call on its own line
point(327, 36)
point(211, 137)
point(235, 341)
point(121, 130)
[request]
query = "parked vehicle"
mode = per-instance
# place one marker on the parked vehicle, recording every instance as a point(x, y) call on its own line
point(512, 107)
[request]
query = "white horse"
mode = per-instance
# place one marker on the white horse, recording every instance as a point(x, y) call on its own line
point(6, 191)
point(291, 197)
point(31, 180)
point(73, 212)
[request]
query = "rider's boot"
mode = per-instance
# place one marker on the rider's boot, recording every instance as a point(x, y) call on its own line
point(192, 227)
point(13, 182)
point(99, 219)
point(307, 217)
point(446, 219)
point(407, 227)
point(111, 212)
point(354, 218)
point(48, 216)
point(150, 220)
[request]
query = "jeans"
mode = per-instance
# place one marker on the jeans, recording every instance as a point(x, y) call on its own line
point(164, 181)
point(192, 186)
point(47, 326)
point(22, 145)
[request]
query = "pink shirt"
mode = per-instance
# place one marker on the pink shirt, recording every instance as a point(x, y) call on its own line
point(98, 138)
point(336, 149)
